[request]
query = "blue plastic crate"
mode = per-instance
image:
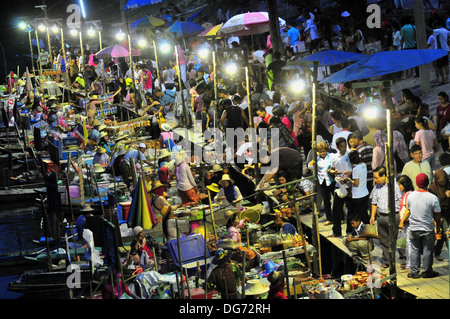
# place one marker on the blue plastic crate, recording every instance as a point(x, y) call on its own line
point(192, 249)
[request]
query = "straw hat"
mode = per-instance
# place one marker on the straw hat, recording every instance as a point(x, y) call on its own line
point(213, 187)
point(121, 150)
point(216, 168)
point(94, 98)
point(165, 127)
point(101, 150)
point(102, 127)
point(228, 215)
point(156, 185)
point(254, 287)
point(121, 135)
point(137, 230)
point(228, 243)
point(163, 153)
point(226, 177)
point(275, 278)
point(51, 97)
point(98, 168)
point(103, 134)
point(370, 231)
point(86, 208)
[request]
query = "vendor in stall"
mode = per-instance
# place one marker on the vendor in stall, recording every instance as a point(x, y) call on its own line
point(187, 188)
point(233, 224)
point(142, 247)
point(229, 194)
point(223, 275)
point(158, 200)
point(285, 226)
point(138, 154)
point(101, 157)
point(94, 101)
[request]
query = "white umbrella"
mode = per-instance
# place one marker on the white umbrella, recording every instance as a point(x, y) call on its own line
point(247, 24)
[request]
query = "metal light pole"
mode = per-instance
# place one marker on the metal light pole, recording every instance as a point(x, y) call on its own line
point(39, 53)
point(391, 193)
point(157, 65)
point(66, 75)
point(31, 51)
point(180, 82)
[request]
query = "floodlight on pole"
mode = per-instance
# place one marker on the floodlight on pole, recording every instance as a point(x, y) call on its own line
point(55, 29)
point(203, 53)
point(165, 47)
point(91, 32)
point(297, 85)
point(230, 68)
point(41, 27)
point(23, 25)
point(74, 32)
point(142, 42)
point(120, 36)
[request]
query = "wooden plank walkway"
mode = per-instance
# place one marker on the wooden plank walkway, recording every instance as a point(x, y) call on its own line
point(422, 288)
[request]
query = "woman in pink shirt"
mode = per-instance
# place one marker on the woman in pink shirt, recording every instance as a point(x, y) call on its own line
point(426, 138)
point(233, 224)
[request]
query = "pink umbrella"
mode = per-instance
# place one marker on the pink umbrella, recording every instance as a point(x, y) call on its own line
point(247, 24)
point(116, 51)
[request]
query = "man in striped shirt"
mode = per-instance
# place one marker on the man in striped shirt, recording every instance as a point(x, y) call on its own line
point(380, 210)
point(365, 153)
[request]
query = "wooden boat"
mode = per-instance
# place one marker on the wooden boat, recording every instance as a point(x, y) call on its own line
point(45, 281)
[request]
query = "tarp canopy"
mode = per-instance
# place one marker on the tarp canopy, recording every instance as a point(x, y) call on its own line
point(333, 57)
point(385, 62)
point(132, 4)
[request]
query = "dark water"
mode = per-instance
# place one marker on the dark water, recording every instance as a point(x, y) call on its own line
point(18, 228)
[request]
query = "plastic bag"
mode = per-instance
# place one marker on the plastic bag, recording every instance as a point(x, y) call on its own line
point(401, 239)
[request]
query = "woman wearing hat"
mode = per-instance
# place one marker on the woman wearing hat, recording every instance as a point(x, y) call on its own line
point(229, 194)
point(276, 279)
point(142, 246)
point(101, 157)
point(116, 158)
point(187, 188)
point(223, 276)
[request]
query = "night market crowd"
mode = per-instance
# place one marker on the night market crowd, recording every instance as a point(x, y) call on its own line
point(351, 162)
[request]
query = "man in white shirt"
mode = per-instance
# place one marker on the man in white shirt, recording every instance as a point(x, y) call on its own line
point(344, 133)
point(341, 168)
point(442, 38)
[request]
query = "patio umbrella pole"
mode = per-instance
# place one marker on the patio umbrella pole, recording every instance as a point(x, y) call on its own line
point(157, 65)
point(302, 235)
point(179, 257)
point(286, 275)
point(206, 248)
point(212, 215)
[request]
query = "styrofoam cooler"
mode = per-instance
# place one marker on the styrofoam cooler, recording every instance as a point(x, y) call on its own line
point(74, 191)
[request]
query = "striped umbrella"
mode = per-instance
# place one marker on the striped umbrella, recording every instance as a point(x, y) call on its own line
point(141, 213)
point(147, 23)
point(186, 29)
point(212, 31)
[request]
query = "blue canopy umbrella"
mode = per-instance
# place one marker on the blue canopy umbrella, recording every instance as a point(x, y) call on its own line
point(185, 29)
point(333, 57)
point(385, 62)
point(132, 4)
